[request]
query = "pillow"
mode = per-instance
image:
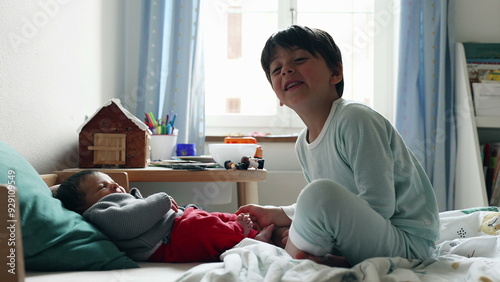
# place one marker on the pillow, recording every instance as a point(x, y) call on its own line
point(54, 238)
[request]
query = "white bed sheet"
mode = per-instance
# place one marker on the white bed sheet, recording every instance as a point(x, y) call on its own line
point(463, 253)
point(467, 250)
point(165, 272)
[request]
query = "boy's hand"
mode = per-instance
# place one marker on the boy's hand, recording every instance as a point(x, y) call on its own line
point(280, 236)
point(263, 216)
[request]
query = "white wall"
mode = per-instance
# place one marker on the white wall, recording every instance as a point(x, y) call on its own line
point(477, 20)
point(60, 60)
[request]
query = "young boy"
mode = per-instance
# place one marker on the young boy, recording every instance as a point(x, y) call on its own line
point(154, 228)
point(367, 195)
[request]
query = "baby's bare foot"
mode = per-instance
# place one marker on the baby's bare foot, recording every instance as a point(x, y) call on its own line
point(246, 222)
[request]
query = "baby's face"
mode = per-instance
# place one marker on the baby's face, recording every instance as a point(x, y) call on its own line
point(97, 186)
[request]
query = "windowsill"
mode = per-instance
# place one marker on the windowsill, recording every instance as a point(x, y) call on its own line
point(260, 139)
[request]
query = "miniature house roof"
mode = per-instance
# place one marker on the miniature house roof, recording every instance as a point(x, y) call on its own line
point(140, 124)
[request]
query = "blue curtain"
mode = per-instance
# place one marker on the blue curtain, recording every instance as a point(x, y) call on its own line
point(425, 102)
point(171, 67)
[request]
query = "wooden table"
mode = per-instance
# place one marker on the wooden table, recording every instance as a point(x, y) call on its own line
point(246, 180)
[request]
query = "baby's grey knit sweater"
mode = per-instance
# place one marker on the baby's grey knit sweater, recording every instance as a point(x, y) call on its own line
point(135, 224)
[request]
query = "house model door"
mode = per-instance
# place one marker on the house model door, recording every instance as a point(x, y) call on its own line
point(109, 148)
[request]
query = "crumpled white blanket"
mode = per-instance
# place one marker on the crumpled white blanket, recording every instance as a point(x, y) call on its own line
point(253, 260)
point(464, 252)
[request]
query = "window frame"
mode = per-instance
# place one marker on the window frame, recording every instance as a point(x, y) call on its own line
point(286, 122)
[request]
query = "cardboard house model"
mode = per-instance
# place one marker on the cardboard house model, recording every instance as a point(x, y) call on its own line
point(113, 137)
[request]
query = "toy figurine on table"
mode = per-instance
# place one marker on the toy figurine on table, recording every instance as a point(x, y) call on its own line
point(245, 163)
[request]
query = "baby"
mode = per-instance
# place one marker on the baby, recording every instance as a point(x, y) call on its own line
point(154, 228)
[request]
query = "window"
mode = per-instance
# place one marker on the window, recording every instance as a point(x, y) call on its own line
point(239, 99)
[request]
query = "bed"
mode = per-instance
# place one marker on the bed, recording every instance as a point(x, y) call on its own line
point(40, 241)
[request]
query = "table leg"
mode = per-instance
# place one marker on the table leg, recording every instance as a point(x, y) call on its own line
point(248, 193)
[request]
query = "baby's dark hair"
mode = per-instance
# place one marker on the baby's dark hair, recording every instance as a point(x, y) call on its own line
point(313, 40)
point(70, 194)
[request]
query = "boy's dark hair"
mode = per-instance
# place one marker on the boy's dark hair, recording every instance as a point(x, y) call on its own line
point(69, 193)
point(315, 41)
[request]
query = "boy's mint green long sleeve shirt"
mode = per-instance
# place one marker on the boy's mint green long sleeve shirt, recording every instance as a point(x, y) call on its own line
point(361, 150)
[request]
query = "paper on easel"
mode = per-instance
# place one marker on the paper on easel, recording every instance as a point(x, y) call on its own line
point(486, 98)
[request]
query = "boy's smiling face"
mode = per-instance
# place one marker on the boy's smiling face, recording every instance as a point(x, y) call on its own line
point(300, 79)
point(96, 186)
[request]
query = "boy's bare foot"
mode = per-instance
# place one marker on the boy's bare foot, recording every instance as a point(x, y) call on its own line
point(246, 222)
point(265, 234)
point(329, 259)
